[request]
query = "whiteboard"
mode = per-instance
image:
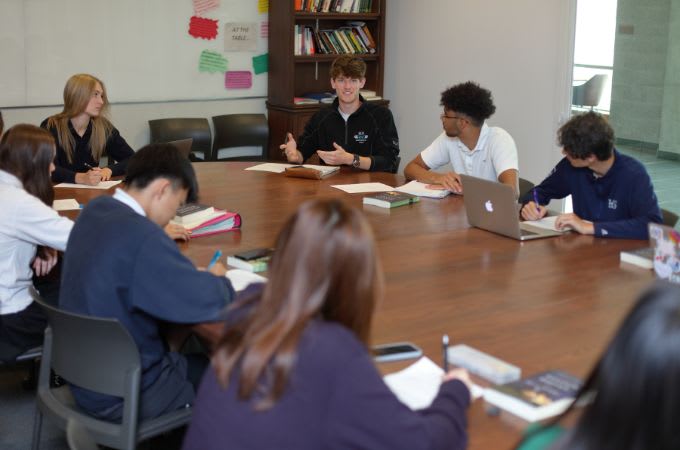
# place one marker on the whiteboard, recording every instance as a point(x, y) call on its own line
point(140, 49)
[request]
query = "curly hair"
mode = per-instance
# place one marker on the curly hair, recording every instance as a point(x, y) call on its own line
point(587, 134)
point(470, 99)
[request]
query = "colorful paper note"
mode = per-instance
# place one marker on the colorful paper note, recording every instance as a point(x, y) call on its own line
point(264, 29)
point(238, 79)
point(262, 6)
point(240, 37)
point(202, 28)
point(212, 62)
point(261, 63)
point(201, 6)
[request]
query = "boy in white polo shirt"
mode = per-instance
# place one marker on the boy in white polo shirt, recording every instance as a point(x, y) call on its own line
point(467, 142)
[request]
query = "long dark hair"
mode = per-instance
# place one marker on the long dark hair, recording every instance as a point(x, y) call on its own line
point(324, 266)
point(26, 152)
point(634, 390)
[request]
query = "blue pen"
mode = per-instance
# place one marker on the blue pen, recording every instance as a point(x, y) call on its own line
point(536, 201)
point(216, 257)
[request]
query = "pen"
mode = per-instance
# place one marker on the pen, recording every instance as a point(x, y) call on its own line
point(89, 166)
point(445, 350)
point(536, 201)
point(215, 258)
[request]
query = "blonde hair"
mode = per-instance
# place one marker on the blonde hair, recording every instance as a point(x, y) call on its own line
point(77, 94)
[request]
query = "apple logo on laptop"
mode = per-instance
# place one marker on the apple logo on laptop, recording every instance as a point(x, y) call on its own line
point(489, 206)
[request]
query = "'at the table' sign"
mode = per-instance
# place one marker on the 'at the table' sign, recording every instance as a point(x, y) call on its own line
point(240, 37)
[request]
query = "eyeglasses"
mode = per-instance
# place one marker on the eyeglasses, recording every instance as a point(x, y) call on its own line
point(444, 116)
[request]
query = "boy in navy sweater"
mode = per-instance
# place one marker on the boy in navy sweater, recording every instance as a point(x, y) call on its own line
point(612, 193)
point(121, 264)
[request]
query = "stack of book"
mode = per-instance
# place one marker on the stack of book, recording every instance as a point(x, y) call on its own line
point(369, 95)
point(354, 38)
point(204, 220)
point(255, 260)
point(343, 6)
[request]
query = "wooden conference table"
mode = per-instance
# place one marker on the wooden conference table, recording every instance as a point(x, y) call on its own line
point(544, 304)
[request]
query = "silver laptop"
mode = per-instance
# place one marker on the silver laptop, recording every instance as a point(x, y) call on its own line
point(492, 206)
point(183, 145)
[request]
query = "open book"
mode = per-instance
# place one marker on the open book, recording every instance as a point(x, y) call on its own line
point(419, 189)
point(547, 223)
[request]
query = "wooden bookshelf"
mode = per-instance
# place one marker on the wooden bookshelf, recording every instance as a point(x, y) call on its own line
point(293, 75)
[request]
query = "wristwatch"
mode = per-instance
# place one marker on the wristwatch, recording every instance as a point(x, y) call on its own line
point(356, 161)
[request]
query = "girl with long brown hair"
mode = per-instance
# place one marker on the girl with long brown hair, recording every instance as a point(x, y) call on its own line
point(293, 369)
point(84, 134)
point(30, 233)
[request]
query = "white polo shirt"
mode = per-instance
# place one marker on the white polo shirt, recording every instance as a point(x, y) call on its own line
point(25, 223)
point(494, 153)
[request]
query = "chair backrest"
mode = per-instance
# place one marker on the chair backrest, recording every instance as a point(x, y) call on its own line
point(589, 93)
point(524, 187)
point(198, 129)
point(240, 130)
point(669, 218)
point(91, 352)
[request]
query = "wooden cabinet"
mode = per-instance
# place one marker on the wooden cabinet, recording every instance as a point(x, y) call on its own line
point(293, 75)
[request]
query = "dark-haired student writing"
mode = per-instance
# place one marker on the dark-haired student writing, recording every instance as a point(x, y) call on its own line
point(612, 193)
point(293, 370)
point(84, 134)
point(470, 145)
point(138, 276)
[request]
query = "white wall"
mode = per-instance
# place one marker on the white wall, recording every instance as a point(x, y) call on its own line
point(131, 118)
point(519, 49)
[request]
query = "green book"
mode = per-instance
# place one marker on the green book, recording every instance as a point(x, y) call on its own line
point(390, 199)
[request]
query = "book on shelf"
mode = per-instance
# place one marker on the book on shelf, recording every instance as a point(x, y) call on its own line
point(255, 260)
point(336, 6)
point(305, 101)
point(390, 199)
point(641, 257)
point(191, 213)
point(311, 171)
point(535, 398)
point(346, 39)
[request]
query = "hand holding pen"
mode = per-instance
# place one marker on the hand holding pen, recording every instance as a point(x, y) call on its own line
point(533, 209)
point(215, 266)
point(459, 374)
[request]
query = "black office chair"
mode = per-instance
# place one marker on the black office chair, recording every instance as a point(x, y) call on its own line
point(30, 358)
point(524, 187)
point(240, 130)
point(590, 92)
point(669, 217)
point(198, 129)
point(398, 164)
point(100, 355)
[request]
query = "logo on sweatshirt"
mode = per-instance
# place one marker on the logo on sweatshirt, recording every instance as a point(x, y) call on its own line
point(611, 203)
point(361, 137)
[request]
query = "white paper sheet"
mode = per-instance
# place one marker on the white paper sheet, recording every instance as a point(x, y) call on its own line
point(358, 188)
point(419, 189)
point(417, 385)
point(241, 279)
point(67, 204)
point(101, 185)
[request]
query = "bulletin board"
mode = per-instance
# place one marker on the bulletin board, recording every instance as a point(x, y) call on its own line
point(143, 50)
